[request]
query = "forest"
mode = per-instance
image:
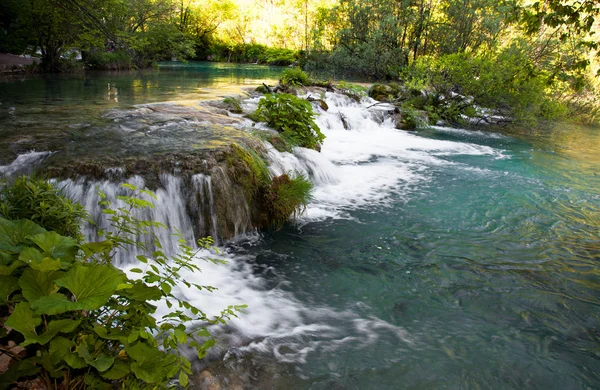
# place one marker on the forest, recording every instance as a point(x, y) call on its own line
point(519, 51)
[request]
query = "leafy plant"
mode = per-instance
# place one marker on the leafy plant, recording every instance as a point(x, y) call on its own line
point(291, 116)
point(41, 202)
point(87, 324)
point(294, 77)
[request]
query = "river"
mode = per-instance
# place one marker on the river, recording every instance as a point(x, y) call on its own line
point(441, 258)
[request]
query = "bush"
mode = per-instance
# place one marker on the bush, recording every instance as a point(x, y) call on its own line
point(291, 116)
point(40, 202)
point(506, 83)
point(83, 322)
point(294, 77)
point(104, 60)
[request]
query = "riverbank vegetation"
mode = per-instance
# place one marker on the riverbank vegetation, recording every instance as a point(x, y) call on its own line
point(71, 319)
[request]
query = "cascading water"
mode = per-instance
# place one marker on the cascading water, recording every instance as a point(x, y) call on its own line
point(421, 257)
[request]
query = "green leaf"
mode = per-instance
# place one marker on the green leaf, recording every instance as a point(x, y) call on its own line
point(102, 362)
point(5, 258)
point(117, 371)
point(92, 248)
point(8, 285)
point(142, 292)
point(55, 304)
point(36, 260)
point(14, 233)
point(55, 327)
point(60, 348)
point(183, 379)
point(125, 337)
point(56, 246)
point(181, 336)
point(74, 361)
point(151, 365)
point(92, 284)
point(7, 270)
point(23, 321)
point(36, 284)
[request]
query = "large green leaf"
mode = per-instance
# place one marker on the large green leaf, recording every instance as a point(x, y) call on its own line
point(6, 258)
point(36, 284)
point(8, 285)
point(23, 321)
point(13, 234)
point(55, 303)
point(55, 327)
point(8, 269)
point(92, 284)
point(60, 348)
point(36, 260)
point(117, 371)
point(56, 246)
point(150, 364)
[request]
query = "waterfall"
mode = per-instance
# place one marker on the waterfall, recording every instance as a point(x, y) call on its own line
point(363, 162)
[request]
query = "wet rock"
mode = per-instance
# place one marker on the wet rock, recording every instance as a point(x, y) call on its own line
point(206, 381)
point(321, 103)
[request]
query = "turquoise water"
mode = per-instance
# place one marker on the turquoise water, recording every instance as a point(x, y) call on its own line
point(489, 267)
point(442, 259)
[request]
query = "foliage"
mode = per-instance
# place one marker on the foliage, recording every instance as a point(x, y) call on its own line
point(291, 116)
point(118, 60)
point(294, 77)
point(42, 203)
point(87, 324)
point(507, 83)
point(286, 196)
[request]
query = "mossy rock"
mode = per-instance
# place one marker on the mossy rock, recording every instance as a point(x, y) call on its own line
point(262, 89)
point(233, 105)
point(381, 92)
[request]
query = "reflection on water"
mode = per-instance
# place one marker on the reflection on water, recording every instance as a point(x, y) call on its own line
point(41, 112)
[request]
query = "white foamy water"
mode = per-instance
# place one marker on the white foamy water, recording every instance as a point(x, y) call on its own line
point(365, 159)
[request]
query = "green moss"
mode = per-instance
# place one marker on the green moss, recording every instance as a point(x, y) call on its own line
point(262, 89)
point(286, 197)
point(249, 170)
point(233, 105)
point(279, 142)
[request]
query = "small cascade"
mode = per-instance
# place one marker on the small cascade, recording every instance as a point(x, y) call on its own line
point(169, 209)
point(24, 164)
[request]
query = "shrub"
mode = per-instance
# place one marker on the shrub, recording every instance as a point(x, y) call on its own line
point(104, 60)
point(291, 116)
point(40, 202)
point(83, 322)
point(294, 77)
